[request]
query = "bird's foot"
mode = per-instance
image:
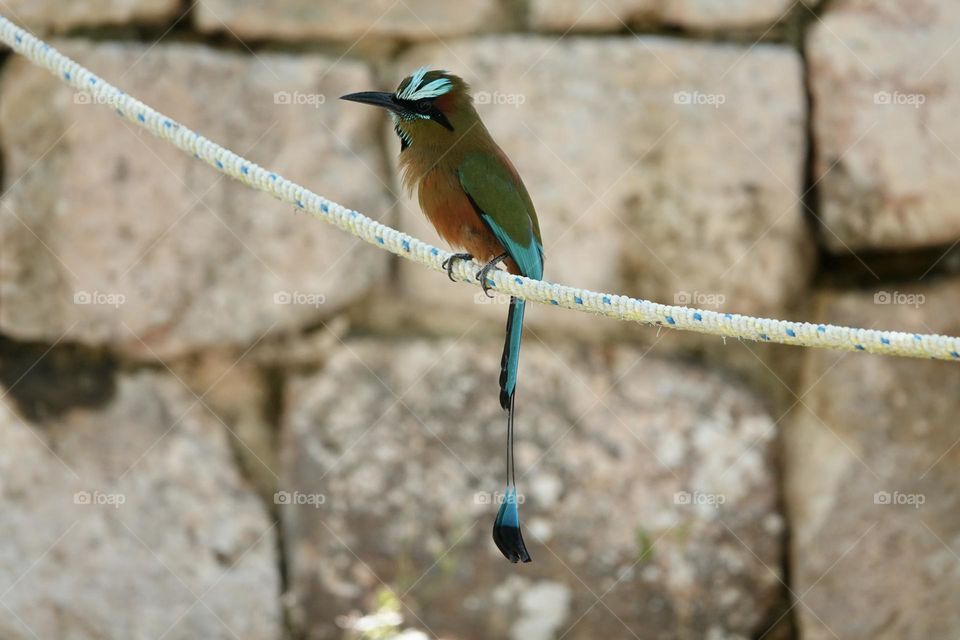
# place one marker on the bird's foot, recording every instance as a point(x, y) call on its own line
point(487, 268)
point(449, 262)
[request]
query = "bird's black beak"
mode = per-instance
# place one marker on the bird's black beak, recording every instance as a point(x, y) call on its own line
point(376, 98)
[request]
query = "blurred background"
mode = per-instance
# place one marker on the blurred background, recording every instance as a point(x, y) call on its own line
point(221, 419)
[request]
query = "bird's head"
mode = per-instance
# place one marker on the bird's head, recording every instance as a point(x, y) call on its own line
point(428, 105)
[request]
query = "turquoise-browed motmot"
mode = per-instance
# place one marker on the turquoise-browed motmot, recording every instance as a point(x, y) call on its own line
point(474, 197)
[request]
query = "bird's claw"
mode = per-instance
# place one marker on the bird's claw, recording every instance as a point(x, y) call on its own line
point(448, 263)
point(484, 284)
point(487, 268)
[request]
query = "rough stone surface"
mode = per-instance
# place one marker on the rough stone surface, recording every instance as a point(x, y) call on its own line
point(701, 15)
point(636, 191)
point(238, 393)
point(404, 441)
point(110, 236)
point(57, 15)
point(666, 168)
point(885, 94)
point(350, 21)
point(871, 483)
point(117, 520)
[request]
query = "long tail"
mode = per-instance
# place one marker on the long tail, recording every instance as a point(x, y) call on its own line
point(506, 528)
point(511, 353)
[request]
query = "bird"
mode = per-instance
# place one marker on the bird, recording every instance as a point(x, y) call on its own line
point(473, 196)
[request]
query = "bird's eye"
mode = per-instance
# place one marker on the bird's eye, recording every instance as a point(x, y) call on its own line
point(423, 106)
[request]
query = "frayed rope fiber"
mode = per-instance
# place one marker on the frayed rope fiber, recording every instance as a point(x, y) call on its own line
point(613, 306)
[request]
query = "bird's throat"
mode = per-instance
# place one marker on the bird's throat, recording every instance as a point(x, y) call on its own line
point(405, 139)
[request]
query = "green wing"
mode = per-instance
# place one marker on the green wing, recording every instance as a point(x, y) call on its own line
point(503, 204)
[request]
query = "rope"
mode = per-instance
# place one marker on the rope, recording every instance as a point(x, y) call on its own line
point(613, 306)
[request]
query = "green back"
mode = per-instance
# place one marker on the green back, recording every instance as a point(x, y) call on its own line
point(505, 207)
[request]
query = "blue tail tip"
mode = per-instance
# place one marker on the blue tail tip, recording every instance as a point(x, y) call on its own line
point(506, 530)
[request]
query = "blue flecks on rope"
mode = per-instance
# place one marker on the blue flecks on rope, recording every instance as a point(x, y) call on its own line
point(613, 306)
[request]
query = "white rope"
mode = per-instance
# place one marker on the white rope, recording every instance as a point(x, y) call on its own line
point(614, 306)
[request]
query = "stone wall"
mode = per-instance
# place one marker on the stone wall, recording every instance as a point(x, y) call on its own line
point(219, 419)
